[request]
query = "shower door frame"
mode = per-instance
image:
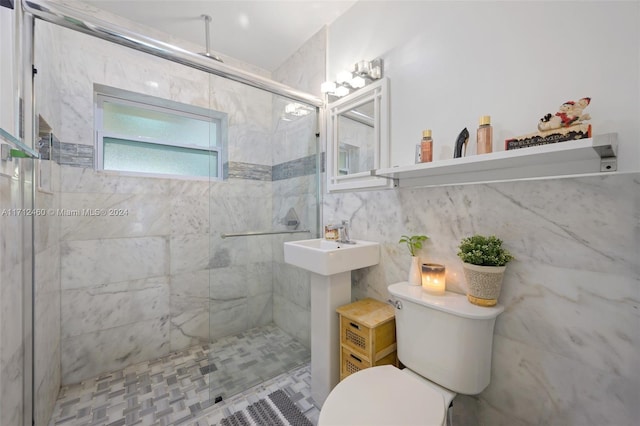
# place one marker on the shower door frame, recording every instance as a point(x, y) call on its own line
point(68, 17)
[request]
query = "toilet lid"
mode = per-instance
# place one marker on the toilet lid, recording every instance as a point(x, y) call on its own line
point(382, 396)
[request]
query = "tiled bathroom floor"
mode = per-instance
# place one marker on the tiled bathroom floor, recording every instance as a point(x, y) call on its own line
point(176, 390)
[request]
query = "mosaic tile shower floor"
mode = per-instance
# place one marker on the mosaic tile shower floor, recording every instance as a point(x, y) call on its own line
point(175, 390)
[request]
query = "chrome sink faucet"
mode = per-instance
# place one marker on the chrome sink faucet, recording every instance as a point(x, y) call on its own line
point(343, 232)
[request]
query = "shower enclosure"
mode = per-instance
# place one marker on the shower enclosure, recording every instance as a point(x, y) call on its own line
point(147, 276)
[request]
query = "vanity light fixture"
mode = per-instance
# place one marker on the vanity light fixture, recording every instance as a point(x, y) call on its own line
point(361, 74)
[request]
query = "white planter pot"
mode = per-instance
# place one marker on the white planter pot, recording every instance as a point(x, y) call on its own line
point(415, 272)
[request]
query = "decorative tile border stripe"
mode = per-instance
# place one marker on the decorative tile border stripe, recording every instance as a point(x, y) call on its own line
point(73, 154)
point(78, 155)
point(295, 168)
point(249, 171)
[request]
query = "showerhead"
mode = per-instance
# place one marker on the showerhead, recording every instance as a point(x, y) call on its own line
point(208, 54)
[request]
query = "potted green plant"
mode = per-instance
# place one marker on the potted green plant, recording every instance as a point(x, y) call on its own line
point(414, 242)
point(484, 262)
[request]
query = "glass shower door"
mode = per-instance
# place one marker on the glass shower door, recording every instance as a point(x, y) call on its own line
point(259, 306)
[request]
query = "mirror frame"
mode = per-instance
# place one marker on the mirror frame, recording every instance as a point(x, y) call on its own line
point(378, 92)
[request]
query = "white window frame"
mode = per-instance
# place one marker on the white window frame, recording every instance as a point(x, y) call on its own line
point(109, 94)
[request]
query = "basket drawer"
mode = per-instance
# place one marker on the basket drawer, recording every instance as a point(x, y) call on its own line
point(352, 363)
point(355, 335)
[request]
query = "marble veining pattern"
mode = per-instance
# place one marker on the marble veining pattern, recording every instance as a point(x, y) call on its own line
point(565, 348)
point(11, 282)
point(47, 315)
point(103, 261)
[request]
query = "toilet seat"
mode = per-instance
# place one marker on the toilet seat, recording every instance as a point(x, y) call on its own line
point(382, 396)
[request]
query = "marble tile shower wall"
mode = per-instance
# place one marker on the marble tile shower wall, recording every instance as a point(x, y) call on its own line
point(294, 185)
point(291, 285)
point(140, 285)
point(47, 343)
point(565, 349)
point(13, 265)
point(161, 278)
point(47, 302)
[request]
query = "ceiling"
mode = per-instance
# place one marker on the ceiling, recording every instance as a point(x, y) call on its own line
point(260, 32)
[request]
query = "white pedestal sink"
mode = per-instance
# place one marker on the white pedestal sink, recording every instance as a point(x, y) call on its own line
point(330, 264)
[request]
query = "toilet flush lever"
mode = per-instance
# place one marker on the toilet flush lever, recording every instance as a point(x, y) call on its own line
point(396, 303)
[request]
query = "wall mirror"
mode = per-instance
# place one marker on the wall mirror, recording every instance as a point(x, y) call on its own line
point(358, 139)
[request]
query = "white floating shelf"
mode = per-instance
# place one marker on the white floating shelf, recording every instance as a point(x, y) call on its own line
point(584, 156)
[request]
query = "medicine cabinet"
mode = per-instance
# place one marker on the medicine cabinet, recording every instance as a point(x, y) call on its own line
point(358, 139)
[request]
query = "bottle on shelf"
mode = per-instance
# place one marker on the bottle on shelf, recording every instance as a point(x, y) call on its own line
point(485, 135)
point(426, 147)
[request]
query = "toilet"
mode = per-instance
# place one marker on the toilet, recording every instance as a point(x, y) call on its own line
point(445, 343)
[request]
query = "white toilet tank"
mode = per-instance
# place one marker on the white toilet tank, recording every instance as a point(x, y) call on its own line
point(445, 339)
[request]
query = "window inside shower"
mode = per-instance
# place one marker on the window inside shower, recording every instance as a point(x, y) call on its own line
point(137, 133)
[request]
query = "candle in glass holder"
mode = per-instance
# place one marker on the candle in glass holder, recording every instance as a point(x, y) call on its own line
point(433, 278)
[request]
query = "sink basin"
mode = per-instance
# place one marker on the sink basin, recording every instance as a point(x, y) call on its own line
point(330, 257)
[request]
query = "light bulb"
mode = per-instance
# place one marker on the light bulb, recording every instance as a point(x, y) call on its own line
point(341, 91)
point(328, 87)
point(357, 82)
point(375, 72)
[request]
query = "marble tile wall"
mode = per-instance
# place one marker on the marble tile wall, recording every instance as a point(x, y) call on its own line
point(150, 279)
point(12, 282)
point(160, 277)
point(305, 68)
point(565, 349)
point(12, 244)
point(114, 272)
point(220, 286)
point(295, 184)
point(48, 294)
